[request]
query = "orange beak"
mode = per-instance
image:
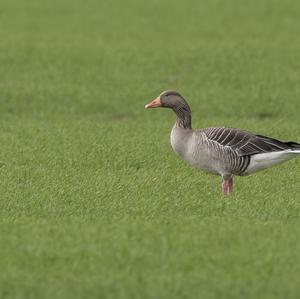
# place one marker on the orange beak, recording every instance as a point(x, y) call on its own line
point(154, 104)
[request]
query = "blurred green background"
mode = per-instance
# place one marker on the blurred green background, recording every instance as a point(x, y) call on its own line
point(94, 203)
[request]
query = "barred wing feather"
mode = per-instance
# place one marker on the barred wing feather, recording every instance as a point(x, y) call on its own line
point(245, 143)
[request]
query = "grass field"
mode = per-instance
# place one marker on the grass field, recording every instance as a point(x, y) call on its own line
point(94, 203)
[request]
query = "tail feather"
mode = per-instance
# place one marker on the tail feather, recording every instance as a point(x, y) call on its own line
point(279, 144)
point(293, 145)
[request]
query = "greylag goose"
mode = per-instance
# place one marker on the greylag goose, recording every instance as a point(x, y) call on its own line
point(222, 151)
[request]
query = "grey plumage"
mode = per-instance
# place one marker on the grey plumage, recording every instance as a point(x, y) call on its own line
point(206, 153)
point(236, 146)
point(220, 150)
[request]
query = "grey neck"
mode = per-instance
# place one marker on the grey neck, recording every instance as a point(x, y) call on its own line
point(184, 118)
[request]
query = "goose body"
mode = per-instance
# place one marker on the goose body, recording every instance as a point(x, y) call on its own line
point(219, 150)
point(198, 149)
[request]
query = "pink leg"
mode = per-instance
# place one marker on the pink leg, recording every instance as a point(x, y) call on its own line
point(227, 186)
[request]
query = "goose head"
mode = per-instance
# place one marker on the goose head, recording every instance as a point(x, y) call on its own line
point(175, 101)
point(169, 99)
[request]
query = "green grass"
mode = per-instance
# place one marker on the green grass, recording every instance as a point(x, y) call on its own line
point(94, 203)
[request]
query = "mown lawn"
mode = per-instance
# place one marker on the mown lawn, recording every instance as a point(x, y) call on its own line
point(94, 203)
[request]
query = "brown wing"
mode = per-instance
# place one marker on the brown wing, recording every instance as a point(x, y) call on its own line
point(246, 143)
